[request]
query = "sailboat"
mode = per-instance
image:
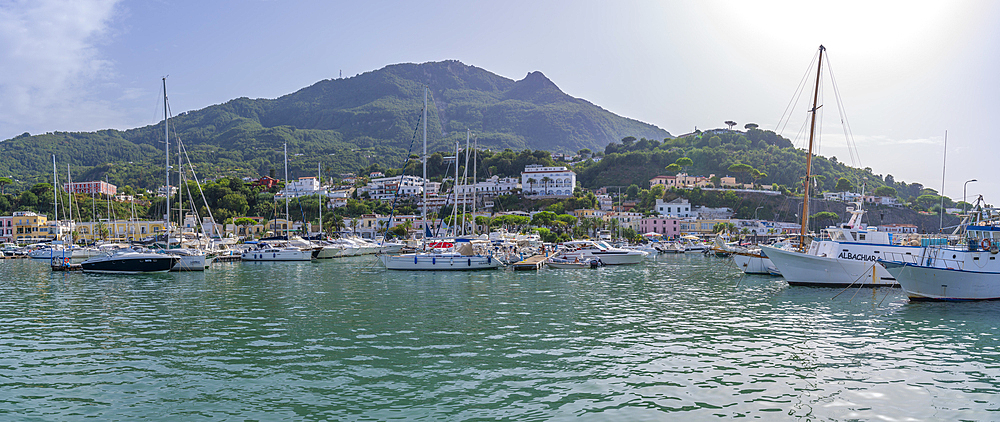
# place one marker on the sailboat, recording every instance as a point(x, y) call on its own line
point(463, 255)
point(281, 249)
point(188, 259)
point(848, 257)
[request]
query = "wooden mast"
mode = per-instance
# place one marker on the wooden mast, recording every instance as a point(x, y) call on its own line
point(812, 134)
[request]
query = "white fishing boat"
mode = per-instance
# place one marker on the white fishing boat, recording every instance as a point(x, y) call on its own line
point(969, 271)
point(849, 257)
point(846, 257)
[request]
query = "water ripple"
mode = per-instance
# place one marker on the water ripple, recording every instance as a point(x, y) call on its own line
point(335, 340)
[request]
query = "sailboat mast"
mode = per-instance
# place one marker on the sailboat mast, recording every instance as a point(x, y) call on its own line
point(166, 143)
point(424, 211)
point(454, 220)
point(319, 177)
point(69, 195)
point(475, 156)
point(812, 135)
point(286, 189)
point(55, 197)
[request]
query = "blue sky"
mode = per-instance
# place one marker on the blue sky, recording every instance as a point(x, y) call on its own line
point(907, 71)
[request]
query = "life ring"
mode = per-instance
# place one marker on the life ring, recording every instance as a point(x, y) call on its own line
point(985, 244)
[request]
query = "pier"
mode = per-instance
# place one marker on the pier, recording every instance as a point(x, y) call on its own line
point(533, 262)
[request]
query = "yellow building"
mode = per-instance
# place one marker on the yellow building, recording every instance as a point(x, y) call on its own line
point(31, 228)
point(117, 230)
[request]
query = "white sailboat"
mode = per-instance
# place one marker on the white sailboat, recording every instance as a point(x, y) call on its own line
point(282, 250)
point(467, 254)
point(849, 257)
point(188, 259)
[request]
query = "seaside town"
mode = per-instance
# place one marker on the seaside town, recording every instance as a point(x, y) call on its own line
point(615, 216)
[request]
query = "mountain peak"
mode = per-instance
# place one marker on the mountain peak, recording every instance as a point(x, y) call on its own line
point(537, 88)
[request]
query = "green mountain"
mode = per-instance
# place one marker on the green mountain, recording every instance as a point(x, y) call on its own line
point(341, 124)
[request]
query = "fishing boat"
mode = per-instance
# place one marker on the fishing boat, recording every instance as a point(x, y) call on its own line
point(968, 271)
point(849, 254)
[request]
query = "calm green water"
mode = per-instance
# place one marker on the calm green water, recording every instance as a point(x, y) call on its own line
point(339, 340)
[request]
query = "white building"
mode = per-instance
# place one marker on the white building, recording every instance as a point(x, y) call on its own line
point(706, 213)
point(538, 180)
point(388, 187)
point(305, 186)
point(678, 208)
point(604, 202)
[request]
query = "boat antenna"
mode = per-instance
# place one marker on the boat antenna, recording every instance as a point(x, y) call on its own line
point(812, 134)
point(944, 163)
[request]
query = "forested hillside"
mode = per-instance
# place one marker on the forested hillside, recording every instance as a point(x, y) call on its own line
point(744, 155)
point(339, 124)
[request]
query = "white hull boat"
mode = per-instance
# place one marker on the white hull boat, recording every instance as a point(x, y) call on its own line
point(966, 272)
point(754, 263)
point(584, 250)
point(277, 254)
point(801, 269)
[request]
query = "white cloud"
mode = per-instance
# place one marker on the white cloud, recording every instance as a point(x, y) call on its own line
point(50, 55)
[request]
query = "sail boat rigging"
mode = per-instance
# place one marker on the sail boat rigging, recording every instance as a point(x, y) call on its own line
point(465, 255)
point(849, 257)
point(809, 153)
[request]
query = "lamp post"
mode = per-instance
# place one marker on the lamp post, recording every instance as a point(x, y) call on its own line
point(964, 198)
point(755, 211)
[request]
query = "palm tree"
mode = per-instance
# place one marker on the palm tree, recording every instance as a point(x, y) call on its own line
point(545, 184)
point(335, 224)
point(531, 181)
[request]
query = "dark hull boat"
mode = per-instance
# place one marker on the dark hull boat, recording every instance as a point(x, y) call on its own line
point(130, 263)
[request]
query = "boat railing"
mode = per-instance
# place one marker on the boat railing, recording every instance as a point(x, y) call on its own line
point(933, 257)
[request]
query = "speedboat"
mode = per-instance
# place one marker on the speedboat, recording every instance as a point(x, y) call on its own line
point(190, 259)
point(608, 255)
point(129, 261)
point(566, 263)
point(277, 252)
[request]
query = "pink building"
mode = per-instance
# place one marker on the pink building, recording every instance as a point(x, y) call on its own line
point(669, 227)
point(100, 188)
point(7, 228)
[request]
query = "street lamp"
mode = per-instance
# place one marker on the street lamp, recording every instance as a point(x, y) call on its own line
point(964, 198)
point(755, 211)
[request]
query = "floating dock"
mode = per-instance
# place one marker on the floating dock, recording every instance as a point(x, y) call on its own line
point(533, 262)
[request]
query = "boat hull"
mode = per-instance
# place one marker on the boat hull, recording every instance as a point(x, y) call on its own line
point(439, 262)
point(137, 264)
point(801, 269)
point(755, 264)
point(929, 283)
point(259, 256)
